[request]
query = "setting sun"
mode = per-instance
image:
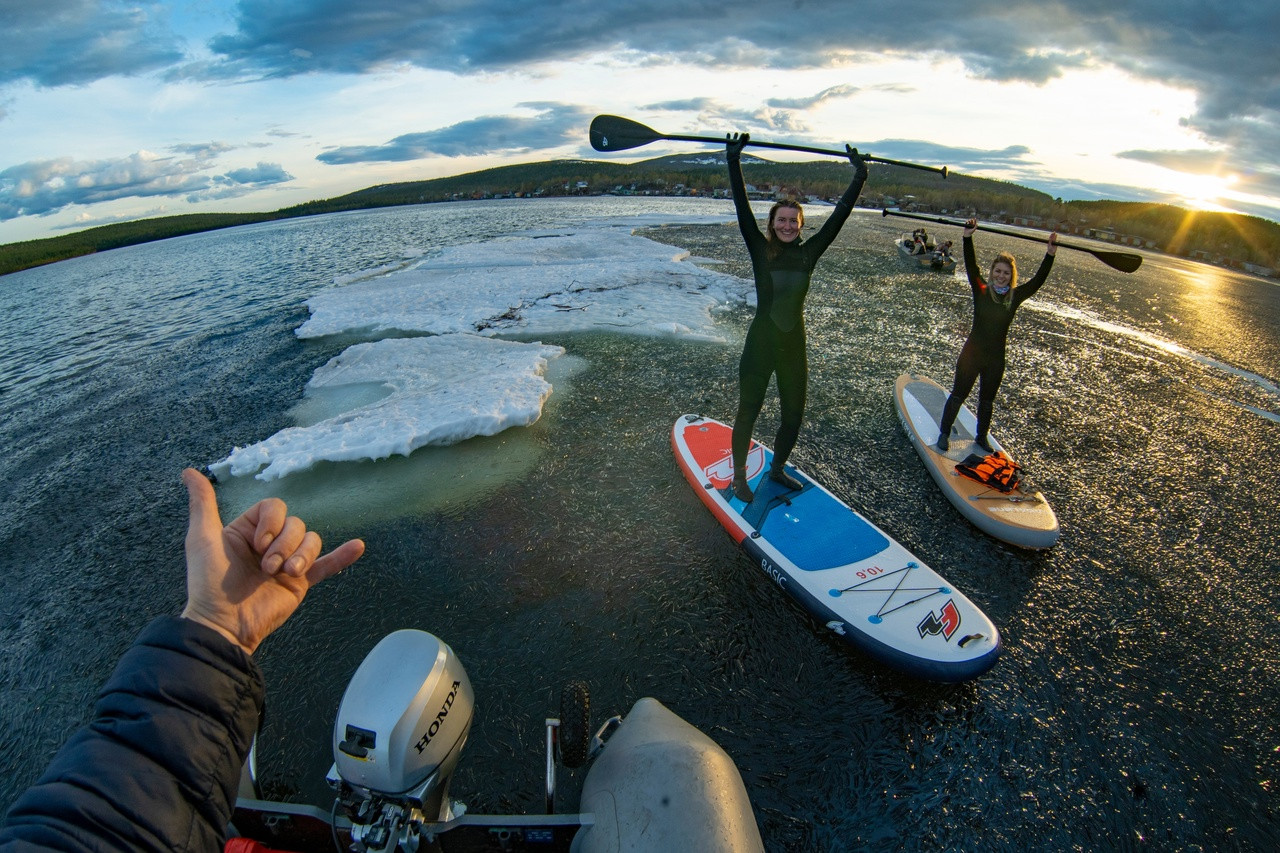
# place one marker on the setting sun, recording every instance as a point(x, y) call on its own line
point(1205, 192)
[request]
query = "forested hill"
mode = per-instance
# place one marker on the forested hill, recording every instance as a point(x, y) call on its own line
point(1229, 236)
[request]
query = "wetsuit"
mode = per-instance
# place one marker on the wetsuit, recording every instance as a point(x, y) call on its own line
point(982, 355)
point(776, 340)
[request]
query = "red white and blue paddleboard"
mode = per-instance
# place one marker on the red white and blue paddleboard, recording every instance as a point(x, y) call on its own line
point(854, 578)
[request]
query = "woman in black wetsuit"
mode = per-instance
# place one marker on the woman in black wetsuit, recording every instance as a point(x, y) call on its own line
point(782, 263)
point(982, 356)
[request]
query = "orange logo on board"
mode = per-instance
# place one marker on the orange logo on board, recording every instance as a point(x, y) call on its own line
point(710, 445)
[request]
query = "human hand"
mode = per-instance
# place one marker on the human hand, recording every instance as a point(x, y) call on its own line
point(244, 580)
point(1053, 243)
point(970, 227)
point(734, 143)
point(859, 164)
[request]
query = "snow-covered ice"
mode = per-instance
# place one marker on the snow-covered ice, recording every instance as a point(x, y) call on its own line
point(457, 378)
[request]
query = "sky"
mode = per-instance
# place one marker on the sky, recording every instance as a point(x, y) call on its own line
point(112, 111)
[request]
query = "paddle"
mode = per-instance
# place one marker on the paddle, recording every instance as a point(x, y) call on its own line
point(614, 133)
point(1123, 261)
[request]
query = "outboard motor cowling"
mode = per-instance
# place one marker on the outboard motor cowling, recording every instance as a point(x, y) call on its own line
point(404, 718)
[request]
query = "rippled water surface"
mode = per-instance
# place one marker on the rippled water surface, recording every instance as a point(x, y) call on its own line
point(1134, 706)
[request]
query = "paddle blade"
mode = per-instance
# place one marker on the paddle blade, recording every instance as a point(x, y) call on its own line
point(614, 133)
point(1122, 261)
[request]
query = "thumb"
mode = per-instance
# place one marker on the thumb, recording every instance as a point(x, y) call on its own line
point(202, 507)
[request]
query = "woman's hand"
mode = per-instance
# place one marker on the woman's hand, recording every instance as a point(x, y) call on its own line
point(859, 164)
point(1053, 243)
point(970, 227)
point(734, 143)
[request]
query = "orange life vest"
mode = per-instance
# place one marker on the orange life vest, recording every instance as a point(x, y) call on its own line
point(995, 470)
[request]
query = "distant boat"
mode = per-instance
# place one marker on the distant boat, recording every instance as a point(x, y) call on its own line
point(928, 259)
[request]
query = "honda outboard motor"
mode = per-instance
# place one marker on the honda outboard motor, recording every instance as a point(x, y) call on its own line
point(397, 738)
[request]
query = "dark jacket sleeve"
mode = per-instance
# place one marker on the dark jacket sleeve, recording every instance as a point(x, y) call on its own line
point(158, 766)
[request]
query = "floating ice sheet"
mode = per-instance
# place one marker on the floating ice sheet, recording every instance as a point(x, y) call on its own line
point(434, 391)
point(537, 283)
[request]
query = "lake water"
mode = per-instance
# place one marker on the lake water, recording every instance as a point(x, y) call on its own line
point(1135, 703)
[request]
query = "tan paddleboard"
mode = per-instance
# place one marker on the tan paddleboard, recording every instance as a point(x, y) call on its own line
point(1022, 518)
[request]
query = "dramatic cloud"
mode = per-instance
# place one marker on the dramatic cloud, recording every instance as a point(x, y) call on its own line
point(48, 186)
point(553, 126)
point(71, 42)
point(1220, 52)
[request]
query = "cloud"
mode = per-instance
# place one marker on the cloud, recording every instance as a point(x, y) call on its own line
point(1195, 161)
point(202, 150)
point(261, 175)
point(833, 93)
point(238, 182)
point(1247, 178)
point(957, 158)
point(1033, 66)
point(42, 188)
point(1222, 50)
point(687, 105)
point(553, 126)
point(72, 42)
point(715, 117)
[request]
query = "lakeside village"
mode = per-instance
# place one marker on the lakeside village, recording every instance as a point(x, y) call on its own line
point(875, 201)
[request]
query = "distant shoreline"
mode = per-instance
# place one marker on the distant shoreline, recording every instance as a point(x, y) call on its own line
point(1246, 244)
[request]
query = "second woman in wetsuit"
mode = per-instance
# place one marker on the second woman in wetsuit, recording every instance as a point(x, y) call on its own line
point(782, 263)
point(982, 355)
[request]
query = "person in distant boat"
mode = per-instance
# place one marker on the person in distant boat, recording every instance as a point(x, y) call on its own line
point(782, 263)
point(159, 765)
point(921, 244)
point(983, 355)
point(943, 252)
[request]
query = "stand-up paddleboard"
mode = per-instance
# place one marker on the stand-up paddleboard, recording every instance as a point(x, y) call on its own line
point(1022, 517)
point(842, 568)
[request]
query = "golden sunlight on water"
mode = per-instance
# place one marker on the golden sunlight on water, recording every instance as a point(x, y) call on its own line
point(1202, 281)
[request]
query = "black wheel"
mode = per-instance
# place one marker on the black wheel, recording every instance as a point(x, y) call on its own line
point(575, 724)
